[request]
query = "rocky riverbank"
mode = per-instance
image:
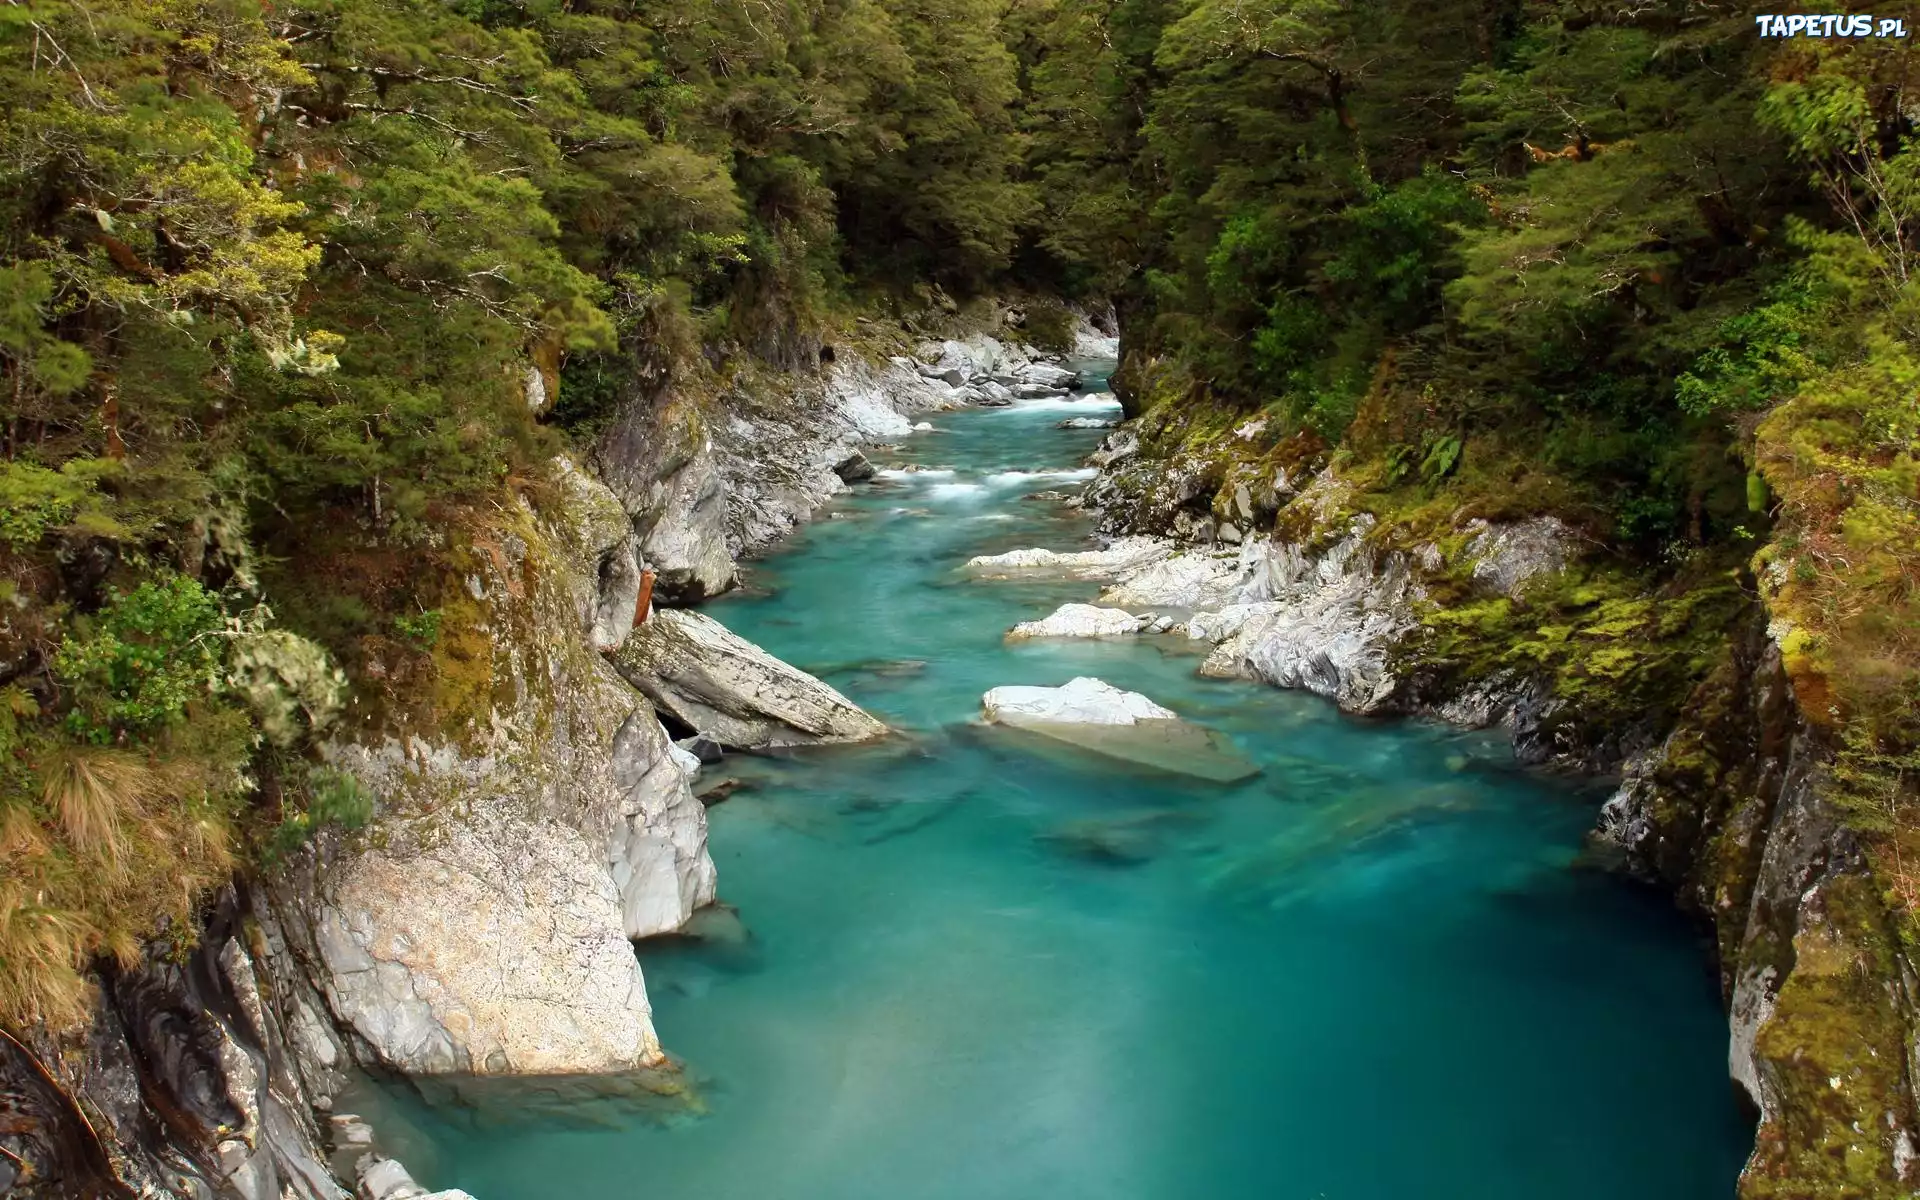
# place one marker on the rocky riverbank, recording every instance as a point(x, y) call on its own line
point(532, 816)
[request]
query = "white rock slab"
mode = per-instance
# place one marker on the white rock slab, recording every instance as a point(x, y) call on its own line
point(1083, 701)
point(1079, 621)
point(1125, 555)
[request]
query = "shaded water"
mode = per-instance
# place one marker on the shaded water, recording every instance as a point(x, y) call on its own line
point(985, 966)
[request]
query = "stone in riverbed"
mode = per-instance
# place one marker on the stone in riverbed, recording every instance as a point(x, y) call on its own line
point(719, 792)
point(706, 677)
point(1079, 621)
point(854, 468)
point(1085, 423)
point(1094, 715)
point(385, 1179)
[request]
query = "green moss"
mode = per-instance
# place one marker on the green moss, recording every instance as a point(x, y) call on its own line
point(1617, 648)
point(1835, 1052)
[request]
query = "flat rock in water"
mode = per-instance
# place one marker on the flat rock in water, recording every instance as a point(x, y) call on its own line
point(1079, 621)
point(1094, 715)
point(720, 791)
point(708, 678)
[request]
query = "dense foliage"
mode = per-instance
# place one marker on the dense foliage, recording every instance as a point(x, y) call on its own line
point(274, 280)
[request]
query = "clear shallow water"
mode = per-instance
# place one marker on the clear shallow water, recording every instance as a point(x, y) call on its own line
point(988, 968)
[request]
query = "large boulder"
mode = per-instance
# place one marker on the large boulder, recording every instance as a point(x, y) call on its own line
point(1079, 621)
point(708, 678)
point(497, 947)
point(854, 468)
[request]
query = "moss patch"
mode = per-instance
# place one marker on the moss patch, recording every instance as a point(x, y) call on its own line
point(1834, 1051)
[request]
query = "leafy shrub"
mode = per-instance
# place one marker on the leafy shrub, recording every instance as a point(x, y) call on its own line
point(136, 665)
point(34, 500)
point(421, 629)
point(1049, 326)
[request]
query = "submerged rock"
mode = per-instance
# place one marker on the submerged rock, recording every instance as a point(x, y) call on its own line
point(1094, 715)
point(386, 1179)
point(720, 791)
point(1085, 423)
point(1079, 621)
point(1125, 840)
point(704, 747)
point(706, 677)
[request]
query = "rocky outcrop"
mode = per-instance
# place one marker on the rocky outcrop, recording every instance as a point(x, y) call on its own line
point(1110, 562)
point(707, 679)
point(530, 820)
point(781, 444)
point(985, 370)
point(709, 481)
point(191, 1080)
point(660, 461)
point(528, 831)
point(1325, 609)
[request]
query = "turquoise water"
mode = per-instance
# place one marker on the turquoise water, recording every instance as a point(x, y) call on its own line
point(984, 968)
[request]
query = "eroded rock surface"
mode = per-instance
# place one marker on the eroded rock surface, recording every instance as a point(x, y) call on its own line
point(1108, 563)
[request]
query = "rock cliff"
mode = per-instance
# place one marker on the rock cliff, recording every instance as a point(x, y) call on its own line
point(1733, 812)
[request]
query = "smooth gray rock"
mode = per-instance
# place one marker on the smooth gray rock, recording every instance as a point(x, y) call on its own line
point(708, 678)
point(661, 464)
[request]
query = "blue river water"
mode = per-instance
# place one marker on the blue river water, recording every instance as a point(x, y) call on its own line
point(980, 968)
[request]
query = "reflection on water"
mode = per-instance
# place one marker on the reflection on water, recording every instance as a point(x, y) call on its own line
point(976, 965)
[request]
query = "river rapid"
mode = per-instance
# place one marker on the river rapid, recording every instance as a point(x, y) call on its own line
point(983, 968)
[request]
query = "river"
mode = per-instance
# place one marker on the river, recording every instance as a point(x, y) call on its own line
point(1380, 970)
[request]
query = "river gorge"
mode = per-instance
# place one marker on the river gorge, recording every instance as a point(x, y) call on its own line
point(983, 964)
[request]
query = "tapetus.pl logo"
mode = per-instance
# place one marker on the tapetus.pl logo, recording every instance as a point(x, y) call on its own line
point(1830, 25)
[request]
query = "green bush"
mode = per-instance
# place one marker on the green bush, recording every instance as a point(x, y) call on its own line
point(134, 666)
